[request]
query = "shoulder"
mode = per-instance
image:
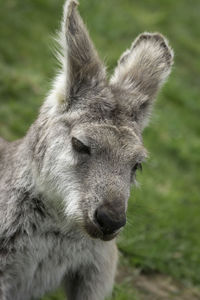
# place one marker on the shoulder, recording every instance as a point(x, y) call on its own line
point(3, 144)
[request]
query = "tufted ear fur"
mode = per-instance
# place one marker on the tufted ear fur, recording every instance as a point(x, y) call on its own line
point(141, 71)
point(79, 58)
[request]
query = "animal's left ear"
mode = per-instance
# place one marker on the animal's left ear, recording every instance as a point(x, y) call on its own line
point(140, 73)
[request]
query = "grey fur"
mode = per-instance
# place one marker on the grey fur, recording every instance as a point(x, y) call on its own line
point(49, 192)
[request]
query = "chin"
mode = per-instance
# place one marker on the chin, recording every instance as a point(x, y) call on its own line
point(94, 232)
point(109, 237)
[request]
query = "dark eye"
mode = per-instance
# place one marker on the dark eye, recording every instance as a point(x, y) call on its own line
point(79, 146)
point(138, 166)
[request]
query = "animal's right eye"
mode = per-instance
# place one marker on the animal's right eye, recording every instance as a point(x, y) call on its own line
point(79, 146)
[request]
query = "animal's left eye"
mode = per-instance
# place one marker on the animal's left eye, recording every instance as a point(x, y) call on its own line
point(137, 166)
point(79, 146)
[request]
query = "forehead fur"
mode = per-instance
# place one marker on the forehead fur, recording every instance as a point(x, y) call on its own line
point(98, 102)
point(97, 116)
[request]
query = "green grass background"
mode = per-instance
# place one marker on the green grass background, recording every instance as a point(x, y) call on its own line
point(163, 230)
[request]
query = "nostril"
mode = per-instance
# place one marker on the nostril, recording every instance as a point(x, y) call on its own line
point(107, 223)
point(102, 218)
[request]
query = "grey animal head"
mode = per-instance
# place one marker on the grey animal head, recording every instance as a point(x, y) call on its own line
point(90, 128)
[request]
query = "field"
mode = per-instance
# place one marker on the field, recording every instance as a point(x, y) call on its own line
point(160, 246)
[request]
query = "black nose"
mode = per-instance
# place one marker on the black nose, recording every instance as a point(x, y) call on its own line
point(109, 222)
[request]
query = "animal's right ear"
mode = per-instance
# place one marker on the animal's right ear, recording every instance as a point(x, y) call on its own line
point(80, 60)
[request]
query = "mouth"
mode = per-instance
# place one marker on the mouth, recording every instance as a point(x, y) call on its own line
point(95, 232)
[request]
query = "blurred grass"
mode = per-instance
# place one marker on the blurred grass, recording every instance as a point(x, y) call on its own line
point(162, 234)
